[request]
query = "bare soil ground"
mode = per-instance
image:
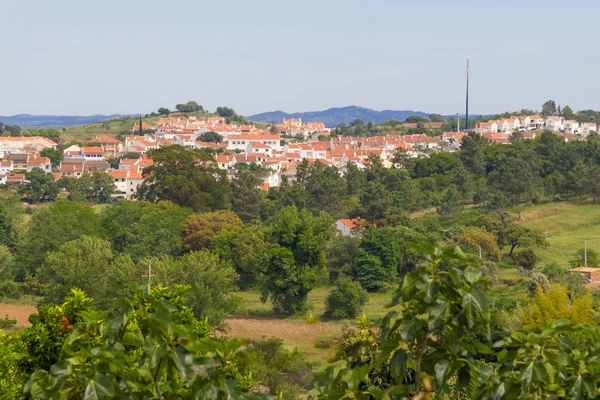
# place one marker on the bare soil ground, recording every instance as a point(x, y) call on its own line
point(20, 312)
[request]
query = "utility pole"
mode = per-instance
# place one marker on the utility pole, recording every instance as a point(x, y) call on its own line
point(457, 122)
point(585, 254)
point(150, 273)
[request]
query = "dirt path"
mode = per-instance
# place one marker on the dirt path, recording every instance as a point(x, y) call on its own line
point(20, 312)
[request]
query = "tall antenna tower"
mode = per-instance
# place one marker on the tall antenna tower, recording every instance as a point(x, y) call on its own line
point(467, 100)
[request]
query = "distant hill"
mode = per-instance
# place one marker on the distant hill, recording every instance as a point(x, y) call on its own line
point(53, 121)
point(335, 116)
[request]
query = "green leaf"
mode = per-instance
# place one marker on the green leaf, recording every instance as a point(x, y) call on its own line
point(132, 339)
point(99, 388)
point(575, 392)
point(384, 353)
point(526, 377)
point(61, 369)
point(588, 384)
point(441, 368)
point(473, 306)
point(398, 365)
point(472, 275)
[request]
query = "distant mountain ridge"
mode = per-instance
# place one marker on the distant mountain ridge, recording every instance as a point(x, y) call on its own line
point(54, 121)
point(335, 116)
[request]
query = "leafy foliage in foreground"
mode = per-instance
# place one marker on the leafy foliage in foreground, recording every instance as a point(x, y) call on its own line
point(425, 345)
point(145, 347)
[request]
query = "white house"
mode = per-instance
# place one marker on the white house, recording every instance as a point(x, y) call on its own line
point(525, 122)
point(587, 127)
point(92, 153)
point(536, 122)
point(554, 123)
point(504, 125)
point(489, 126)
point(349, 227)
point(571, 126)
point(6, 167)
point(120, 178)
point(239, 142)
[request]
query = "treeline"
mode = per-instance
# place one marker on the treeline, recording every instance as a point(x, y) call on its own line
point(497, 176)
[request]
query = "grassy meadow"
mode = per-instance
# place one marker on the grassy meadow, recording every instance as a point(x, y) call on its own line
point(566, 225)
point(260, 321)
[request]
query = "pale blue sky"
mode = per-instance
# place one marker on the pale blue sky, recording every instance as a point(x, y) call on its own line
point(126, 56)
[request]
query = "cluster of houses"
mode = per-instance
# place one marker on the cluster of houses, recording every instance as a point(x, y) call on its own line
point(536, 122)
point(279, 156)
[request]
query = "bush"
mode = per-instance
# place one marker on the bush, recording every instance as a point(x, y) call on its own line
point(346, 300)
point(9, 290)
point(271, 365)
point(525, 259)
point(6, 322)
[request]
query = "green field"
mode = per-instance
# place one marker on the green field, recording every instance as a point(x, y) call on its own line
point(374, 309)
point(567, 226)
point(260, 321)
point(111, 127)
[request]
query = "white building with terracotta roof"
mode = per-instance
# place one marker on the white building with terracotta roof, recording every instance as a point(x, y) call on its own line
point(586, 128)
point(554, 123)
point(24, 144)
point(571, 126)
point(240, 142)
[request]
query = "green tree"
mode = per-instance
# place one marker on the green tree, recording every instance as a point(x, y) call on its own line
point(198, 230)
point(305, 235)
point(341, 256)
point(245, 248)
point(210, 137)
point(212, 284)
point(548, 108)
point(568, 113)
point(11, 213)
point(472, 153)
point(87, 263)
point(247, 197)
point(450, 205)
point(141, 229)
point(189, 107)
point(346, 299)
point(285, 283)
point(55, 155)
point(436, 118)
point(225, 112)
point(519, 235)
point(378, 260)
point(41, 186)
point(326, 190)
point(186, 177)
point(578, 258)
point(164, 111)
point(52, 226)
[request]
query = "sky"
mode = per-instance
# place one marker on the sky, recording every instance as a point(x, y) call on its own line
point(131, 56)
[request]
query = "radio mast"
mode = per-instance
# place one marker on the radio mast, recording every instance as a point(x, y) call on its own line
point(467, 100)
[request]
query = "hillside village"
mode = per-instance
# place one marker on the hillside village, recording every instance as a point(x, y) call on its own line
point(279, 149)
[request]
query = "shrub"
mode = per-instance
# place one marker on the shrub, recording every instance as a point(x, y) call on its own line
point(525, 259)
point(6, 322)
point(346, 300)
point(284, 372)
point(9, 290)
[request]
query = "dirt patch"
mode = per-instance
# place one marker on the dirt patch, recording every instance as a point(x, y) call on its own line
point(20, 312)
point(289, 330)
